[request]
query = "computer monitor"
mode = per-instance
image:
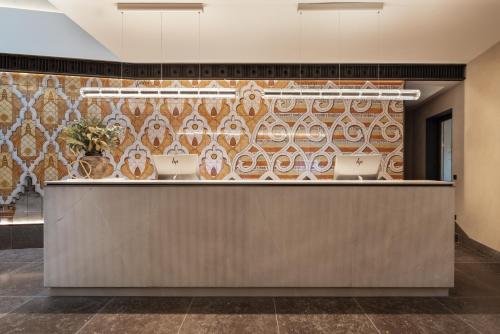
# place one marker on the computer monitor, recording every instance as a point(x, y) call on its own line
point(357, 166)
point(177, 167)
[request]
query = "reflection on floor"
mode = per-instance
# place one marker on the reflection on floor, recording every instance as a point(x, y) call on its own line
point(473, 307)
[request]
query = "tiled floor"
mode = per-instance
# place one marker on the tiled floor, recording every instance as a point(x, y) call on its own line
point(474, 307)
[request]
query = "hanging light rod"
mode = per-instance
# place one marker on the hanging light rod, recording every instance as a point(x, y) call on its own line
point(159, 6)
point(167, 92)
point(337, 5)
point(342, 94)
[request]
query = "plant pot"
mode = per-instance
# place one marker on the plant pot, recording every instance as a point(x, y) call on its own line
point(92, 167)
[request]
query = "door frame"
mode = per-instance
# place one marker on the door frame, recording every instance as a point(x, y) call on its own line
point(433, 144)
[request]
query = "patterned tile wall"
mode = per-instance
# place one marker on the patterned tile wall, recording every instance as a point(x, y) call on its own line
point(244, 138)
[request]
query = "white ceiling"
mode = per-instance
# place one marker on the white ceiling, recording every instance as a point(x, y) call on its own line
point(433, 31)
point(39, 5)
point(428, 90)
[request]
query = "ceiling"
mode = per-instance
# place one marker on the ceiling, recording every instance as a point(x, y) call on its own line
point(39, 5)
point(258, 31)
point(428, 90)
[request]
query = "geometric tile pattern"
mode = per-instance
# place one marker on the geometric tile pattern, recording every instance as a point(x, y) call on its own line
point(247, 138)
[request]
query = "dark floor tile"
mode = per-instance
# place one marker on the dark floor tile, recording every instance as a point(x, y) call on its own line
point(8, 304)
point(51, 315)
point(481, 313)
point(412, 315)
point(465, 254)
point(467, 285)
point(24, 281)
point(486, 273)
point(493, 268)
point(478, 269)
point(231, 315)
point(321, 315)
point(139, 315)
point(22, 255)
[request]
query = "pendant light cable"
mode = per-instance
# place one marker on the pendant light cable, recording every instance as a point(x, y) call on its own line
point(379, 32)
point(339, 44)
point(159, 92)
point(346, 92)
point(121, 51)
point(300, 51)
point(161, 46)
point(199, 50)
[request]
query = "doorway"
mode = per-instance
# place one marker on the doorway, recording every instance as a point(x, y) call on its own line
point(439, 147)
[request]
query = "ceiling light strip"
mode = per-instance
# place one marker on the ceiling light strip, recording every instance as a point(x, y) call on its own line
point(342, 94)
point(168, 92)
point(308, 6)
point(158, 6)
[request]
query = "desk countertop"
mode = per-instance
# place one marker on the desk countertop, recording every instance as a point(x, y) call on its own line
point(122, 182)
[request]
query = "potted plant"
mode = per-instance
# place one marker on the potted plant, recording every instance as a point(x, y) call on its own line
point(88, 139)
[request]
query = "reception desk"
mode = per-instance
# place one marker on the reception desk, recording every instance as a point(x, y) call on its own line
point(342, 238)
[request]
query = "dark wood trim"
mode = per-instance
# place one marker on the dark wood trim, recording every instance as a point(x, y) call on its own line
point(82, 67)
point(432, 144)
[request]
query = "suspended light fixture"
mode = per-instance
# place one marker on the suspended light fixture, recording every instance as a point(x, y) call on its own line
point(340, 93)
point(165, 92)
point(160, 92)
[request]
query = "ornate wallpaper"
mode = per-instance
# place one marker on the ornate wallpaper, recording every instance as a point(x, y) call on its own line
point(244, 138)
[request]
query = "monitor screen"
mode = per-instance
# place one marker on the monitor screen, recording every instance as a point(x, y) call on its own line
point(356, 166)
point(176, 164)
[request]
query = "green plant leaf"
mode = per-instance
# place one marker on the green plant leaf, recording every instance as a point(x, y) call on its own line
point(91, 136)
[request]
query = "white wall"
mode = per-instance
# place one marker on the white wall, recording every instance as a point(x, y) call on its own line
point(47, 34)
point(476, 146)
point(482, 149)
point(415, 140)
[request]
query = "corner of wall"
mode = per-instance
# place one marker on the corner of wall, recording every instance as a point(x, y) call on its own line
point(481, 147)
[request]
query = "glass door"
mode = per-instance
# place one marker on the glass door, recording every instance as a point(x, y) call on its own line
point(446, 150)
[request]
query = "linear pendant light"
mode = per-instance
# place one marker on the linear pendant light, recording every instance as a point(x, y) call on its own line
point(159, 92)
point(341, 93)
point(165, 92)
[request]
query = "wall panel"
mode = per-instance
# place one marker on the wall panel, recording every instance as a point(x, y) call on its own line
point(243, 138)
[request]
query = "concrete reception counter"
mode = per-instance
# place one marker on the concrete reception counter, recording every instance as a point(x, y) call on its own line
point(344, 238)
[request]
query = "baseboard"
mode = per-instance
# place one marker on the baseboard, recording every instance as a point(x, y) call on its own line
point(463, 239)
point(252, 292)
